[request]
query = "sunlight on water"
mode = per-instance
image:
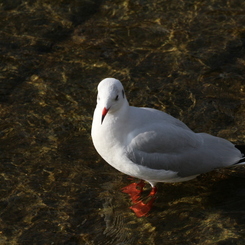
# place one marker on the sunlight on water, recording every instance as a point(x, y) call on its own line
point(183, 57)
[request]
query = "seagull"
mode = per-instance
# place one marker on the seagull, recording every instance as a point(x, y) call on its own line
point(151, 145)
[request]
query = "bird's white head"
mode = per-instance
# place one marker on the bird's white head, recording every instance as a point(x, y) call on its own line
point(111, 96)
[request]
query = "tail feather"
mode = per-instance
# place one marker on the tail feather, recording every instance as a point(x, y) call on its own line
point(241, 148)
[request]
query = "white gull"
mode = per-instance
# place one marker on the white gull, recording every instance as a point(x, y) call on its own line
point(151, 145)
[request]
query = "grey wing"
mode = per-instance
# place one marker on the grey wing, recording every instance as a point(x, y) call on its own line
point(170, 147)
point(167, 147)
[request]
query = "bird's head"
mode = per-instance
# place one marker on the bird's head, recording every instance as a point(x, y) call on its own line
point(111, 96)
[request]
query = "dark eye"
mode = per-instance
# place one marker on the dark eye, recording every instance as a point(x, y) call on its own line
point(116, 98)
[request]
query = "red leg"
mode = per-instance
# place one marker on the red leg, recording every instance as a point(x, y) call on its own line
point(134, 190)
point(142, 209)
point(153, 191)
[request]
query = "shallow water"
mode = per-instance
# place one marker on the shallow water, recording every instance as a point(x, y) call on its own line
point(184, 57)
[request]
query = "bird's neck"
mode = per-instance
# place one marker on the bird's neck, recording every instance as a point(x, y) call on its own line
point(111, 133)
point(116, 121)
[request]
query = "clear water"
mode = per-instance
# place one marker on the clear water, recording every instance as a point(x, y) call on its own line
point(184, 57)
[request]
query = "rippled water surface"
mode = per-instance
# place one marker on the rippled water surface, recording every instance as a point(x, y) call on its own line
point(184, 57)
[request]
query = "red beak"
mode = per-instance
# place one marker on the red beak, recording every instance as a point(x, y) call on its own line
point(104, 112)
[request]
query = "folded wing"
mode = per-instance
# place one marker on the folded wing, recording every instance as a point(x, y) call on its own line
point(171, 147)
